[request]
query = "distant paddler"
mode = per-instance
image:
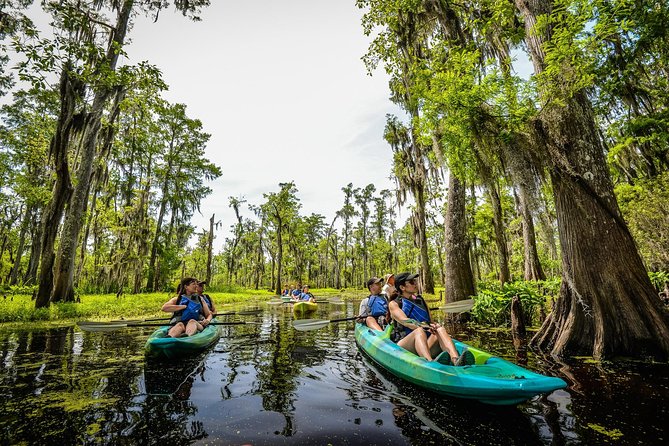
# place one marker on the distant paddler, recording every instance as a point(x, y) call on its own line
point(191, 314)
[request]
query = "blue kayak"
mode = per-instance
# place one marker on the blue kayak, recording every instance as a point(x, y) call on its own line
point(491, 379)
point(161, 345)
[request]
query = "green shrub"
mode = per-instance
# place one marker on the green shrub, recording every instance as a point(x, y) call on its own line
point(493, 301)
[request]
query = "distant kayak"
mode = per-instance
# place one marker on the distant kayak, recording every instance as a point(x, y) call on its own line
point(303, 307)
point(286, 299)
point(161, 345)
point(491, 379)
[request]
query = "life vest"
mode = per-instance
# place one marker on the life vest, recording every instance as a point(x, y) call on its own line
point(307, 296)
point(414, 309)
point(193, 309)
point(377, 305)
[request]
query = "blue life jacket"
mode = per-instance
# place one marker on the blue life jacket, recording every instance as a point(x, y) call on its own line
point(306, 296)
point(377, 305)
point(296, 292)
point(193, 308)
point(415, 309)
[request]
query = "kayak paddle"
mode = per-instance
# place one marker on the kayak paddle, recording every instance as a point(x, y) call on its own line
point(111, 326)
point(227, 313)
point(460, 306)
point(315, 324)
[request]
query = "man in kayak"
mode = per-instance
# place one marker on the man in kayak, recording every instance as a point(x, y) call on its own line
point(191, 314)
point(412, 319)
point(205, 297)
point(373, 309)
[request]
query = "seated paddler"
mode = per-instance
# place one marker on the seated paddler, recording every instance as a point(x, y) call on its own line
point(414, 329)
point(306, 294)
point(373, 309)
point(191, 314)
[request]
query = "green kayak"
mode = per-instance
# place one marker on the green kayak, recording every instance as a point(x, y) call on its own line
point(491, 379)
point(161, 345)
point(304, 307)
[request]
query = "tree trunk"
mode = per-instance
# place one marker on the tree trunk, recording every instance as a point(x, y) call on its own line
point(532, 270)
point(607, 305)
point(70, 91)
point(35, 248)
point(500, 236)
point(13, 276)
point(421, 234)
point(63, 289)
point(279, 256)
point(210, 248)
point(459, 279)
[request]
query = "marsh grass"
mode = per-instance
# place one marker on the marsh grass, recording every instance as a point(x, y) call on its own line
point(21, 308)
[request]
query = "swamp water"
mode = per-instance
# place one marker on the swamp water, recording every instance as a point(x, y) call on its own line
point(269, 384)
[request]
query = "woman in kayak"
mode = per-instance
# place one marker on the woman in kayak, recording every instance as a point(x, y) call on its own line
point(411, 313)
point(306, 294)
point(191, 315)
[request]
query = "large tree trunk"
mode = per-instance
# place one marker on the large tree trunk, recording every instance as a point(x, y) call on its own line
point(70, 91)
point(459, 279)
point(607, 305)
point(63, 287)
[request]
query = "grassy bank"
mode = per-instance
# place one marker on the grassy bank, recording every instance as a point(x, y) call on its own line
point(20, 307)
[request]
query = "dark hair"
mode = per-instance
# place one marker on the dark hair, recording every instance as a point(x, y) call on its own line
point(184, 283)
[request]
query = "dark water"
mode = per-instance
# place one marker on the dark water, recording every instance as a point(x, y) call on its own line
point(268, 384)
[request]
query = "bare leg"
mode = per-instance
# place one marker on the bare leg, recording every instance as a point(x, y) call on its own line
point(372, 323)
point(416, 342)
point(177, 330)
point(193, 327)
point(442, 342)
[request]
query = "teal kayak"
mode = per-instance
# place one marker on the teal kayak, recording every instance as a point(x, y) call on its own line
point(491, 379)
point(161, 345)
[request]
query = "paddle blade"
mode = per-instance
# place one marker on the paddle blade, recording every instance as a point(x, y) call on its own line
point(274, 302)
point(458, 307)
point(309, 324)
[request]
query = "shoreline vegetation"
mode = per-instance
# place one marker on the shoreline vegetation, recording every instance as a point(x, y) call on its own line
point(19, 308)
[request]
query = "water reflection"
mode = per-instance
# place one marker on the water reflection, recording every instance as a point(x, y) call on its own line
point(269, 384)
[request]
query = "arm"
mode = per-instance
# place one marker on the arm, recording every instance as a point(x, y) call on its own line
point(207, 313)
point(397, 314)
point(171, 305)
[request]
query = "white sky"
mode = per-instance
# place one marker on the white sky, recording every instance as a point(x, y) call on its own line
point(282, 90)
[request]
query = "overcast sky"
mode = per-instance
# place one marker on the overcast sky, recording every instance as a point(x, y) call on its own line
point(282, 89)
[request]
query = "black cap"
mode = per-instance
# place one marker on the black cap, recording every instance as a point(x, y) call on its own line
point(403, 278)
point(373, 280)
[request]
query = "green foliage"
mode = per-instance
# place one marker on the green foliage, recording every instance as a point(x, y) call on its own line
point(645, 206)
point(659, 279)
point(493, 302)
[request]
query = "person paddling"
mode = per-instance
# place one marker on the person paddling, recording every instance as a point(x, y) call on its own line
point(191, 315)
point(408, 311)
